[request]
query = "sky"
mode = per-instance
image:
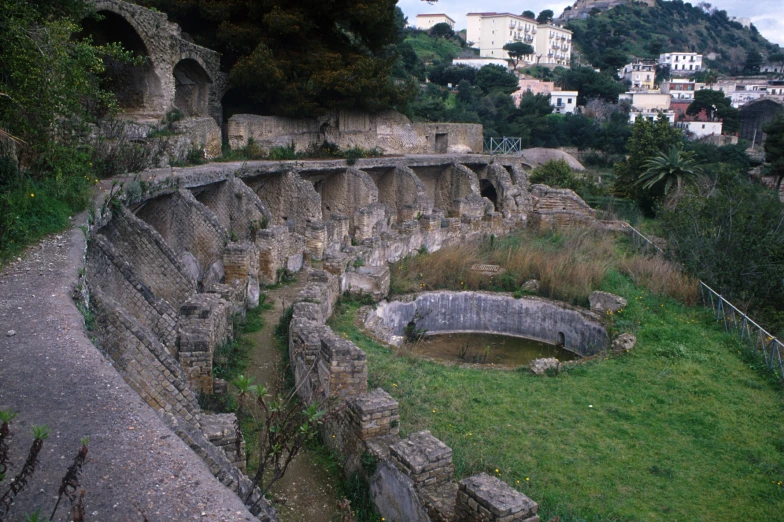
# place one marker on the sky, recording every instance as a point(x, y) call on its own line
point(766, 15)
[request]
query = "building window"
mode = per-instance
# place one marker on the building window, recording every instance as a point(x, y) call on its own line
point(560, 102)
point(569, 101)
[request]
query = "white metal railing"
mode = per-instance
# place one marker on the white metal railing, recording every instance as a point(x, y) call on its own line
point(732, 318)
point(502, 145)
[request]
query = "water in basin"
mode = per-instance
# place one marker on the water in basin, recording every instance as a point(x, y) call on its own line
point(489, 349)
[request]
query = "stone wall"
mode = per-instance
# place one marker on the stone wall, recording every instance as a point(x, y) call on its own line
point(530, 317)
point(202, 241)
point(390, 131)
point(177, 73)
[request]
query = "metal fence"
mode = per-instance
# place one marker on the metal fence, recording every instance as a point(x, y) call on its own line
point(733, 319)
point(738, 322)
point(502, 145)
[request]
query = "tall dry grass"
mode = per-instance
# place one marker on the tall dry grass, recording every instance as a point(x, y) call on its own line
point(661, 276)
point(569, 266)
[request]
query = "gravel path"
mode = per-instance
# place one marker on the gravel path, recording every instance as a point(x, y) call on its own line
point(50, 373)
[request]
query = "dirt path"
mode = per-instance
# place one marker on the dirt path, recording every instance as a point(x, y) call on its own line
point(305, 493)
point(50, 373)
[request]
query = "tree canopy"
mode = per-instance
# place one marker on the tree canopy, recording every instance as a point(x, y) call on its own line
point(299, 57)
point(774, 148)
point(715, 105)
point(545, 16)
point(591, 84)
point(517, 50)
point(496, 78)
point(529, 14)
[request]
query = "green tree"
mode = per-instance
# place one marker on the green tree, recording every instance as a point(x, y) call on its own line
point(529, 14)
point(729, 235)
point(715, 105)
point(648, 139)
point(753, 61)
point(517, 50)
point(590, 84)
point(442, 30)
point(50, 93)
point(496, 78)
point(545, 16)
point(774, 148)
point(674, 167)
point(300, 58)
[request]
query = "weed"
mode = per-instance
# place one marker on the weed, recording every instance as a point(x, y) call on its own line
point(359, 262)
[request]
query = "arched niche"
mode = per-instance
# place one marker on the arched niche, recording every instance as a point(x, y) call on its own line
point(191, 88)
point(136, 87)
point(487, 190)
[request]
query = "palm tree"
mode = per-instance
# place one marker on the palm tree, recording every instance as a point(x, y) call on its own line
point(675, 166)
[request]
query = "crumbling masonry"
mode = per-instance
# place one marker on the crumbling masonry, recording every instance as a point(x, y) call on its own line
point(172, 260)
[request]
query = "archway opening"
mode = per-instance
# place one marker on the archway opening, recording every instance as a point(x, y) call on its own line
point(487, 190)
point(136, 87)
point(191, 88)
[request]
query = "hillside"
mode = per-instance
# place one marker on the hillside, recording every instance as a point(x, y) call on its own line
point(610, 39)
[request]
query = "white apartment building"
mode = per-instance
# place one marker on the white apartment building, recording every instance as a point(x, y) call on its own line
point(563, 101)
point(681, 63)
point(426, 21)
point(648, 105)
point(553, 45)
point(700, 129)
point(491, 31)
point(639, 75)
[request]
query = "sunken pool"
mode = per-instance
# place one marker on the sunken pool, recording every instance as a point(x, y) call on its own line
point(461, 326)
point(484, 348)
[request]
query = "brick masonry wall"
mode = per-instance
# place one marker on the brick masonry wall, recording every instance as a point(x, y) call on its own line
point(110, 273)
point(143, 361)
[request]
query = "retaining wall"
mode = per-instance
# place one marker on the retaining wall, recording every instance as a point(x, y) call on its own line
point(530, 317)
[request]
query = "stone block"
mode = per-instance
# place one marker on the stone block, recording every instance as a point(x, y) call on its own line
point(222, 430)
point(624, 343)
point(367, 280)
point(374, 414)
point(482, 498)
point(605, 302)
point(540, 366)
point(424, 458)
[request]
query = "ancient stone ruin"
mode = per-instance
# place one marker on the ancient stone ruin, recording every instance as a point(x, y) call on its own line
point(177, 253)
point(170, 261)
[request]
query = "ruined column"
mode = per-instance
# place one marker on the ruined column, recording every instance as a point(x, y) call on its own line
point(316, 239)
point(204, 325)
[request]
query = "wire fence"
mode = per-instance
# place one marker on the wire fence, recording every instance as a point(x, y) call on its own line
point(733, 319)
point(502, 145)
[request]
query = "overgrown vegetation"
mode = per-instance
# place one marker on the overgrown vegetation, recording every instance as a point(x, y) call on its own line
point(682, 427)
point(326, 150)
point(569, 266)
point(609, 39)
point(50, 93)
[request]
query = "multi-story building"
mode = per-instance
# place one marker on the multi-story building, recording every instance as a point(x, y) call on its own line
point(698, 126)
point(491, 31)
point(648, 105)
point(563, 101)
point(681, 63)
point(553, 45)
point(533, 86)
point(640, 75)
point(681, 89)
point(426, 21)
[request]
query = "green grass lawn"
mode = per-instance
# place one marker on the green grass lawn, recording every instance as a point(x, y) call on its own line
point(687, 426)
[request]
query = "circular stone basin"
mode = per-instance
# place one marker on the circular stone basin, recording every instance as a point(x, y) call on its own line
point(550, 322)
point(490, 349)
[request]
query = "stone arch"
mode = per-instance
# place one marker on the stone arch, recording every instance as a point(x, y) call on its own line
point(137, 88)
point(192, 86)
point(487, 190)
